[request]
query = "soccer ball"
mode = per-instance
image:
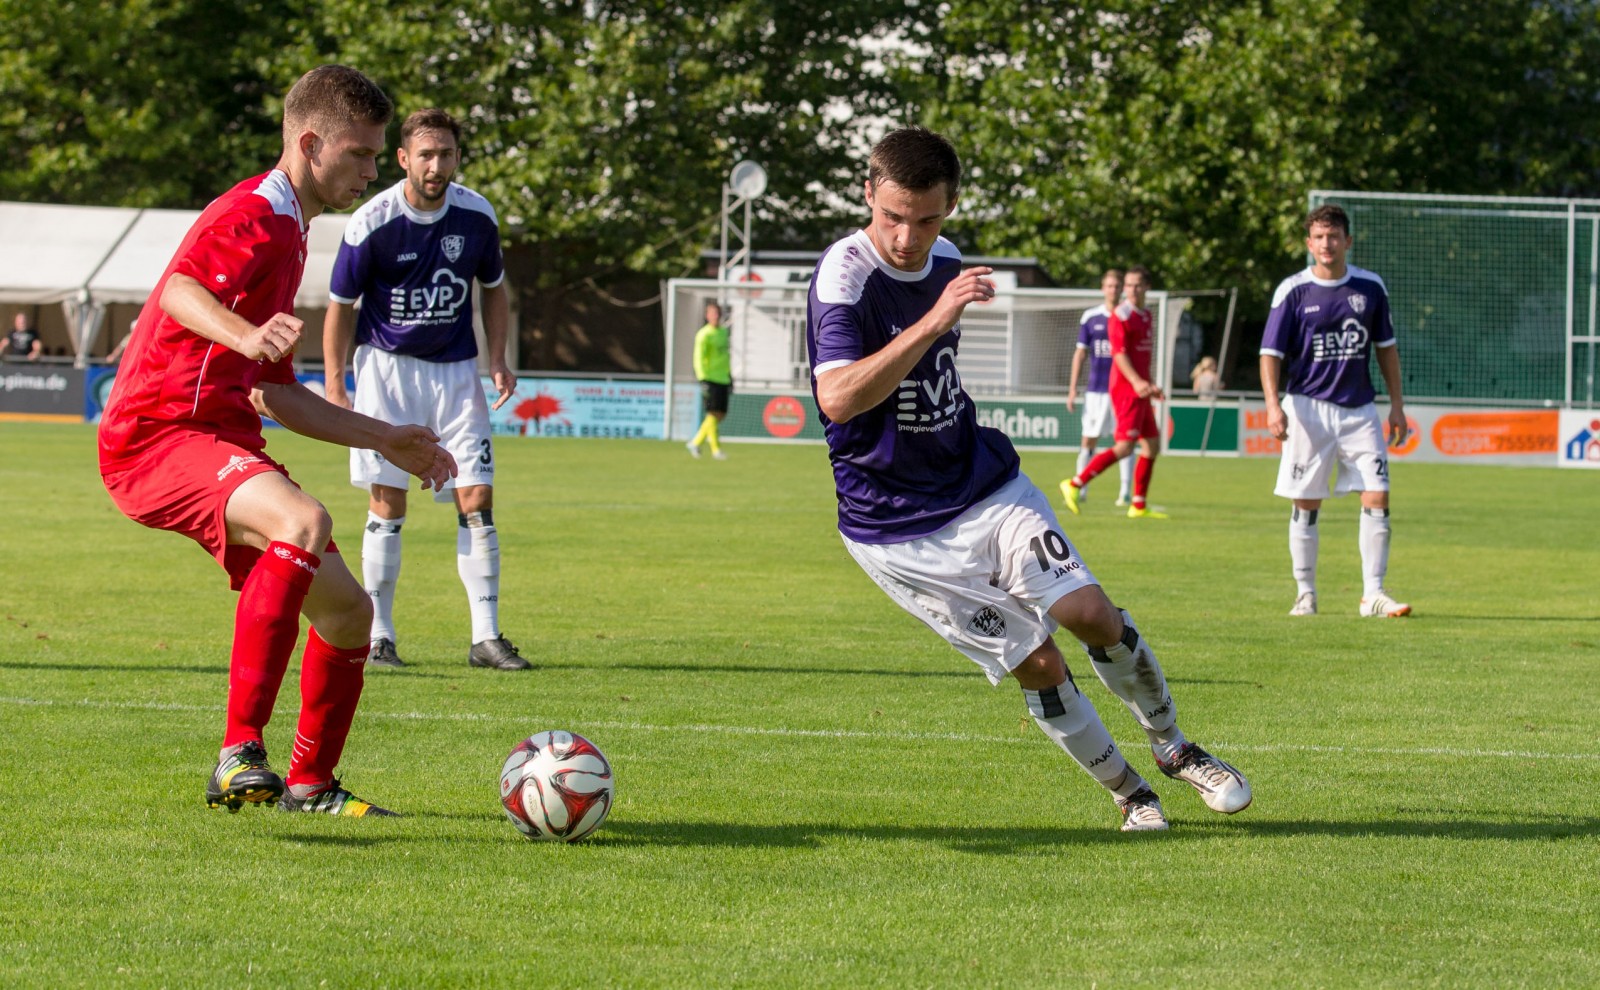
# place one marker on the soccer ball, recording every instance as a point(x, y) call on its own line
point(556, 786)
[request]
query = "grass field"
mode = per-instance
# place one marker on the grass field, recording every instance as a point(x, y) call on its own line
point(813, 790)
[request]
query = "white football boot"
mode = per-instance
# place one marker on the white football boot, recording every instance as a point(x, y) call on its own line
point(1306, 604)
point(1381, 606)
point(1142, 812)
point(1221, 787)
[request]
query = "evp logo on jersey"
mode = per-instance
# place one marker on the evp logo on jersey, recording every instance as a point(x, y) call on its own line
point(928, 405)
point(1349, 341)
point(434, 303)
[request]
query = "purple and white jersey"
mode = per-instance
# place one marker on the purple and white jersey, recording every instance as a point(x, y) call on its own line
point(909, 466)
point(413, 272)
point(1092, 338)
point(1325, 331)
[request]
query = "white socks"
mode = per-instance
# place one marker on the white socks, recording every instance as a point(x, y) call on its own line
point(1129, 669)
point(1303, 537)
point(478, 563)
point(1066, 716)
point(1374, 550)
point(1125, 471)
point(380, 570)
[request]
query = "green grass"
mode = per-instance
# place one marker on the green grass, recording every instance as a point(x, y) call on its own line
point(813, 790)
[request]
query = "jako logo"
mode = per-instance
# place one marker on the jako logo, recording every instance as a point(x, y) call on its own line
point(285, 553)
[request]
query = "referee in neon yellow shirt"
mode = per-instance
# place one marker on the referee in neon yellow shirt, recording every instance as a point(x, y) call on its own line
point(712, 367)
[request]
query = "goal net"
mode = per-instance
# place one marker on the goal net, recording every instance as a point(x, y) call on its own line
point(1494, 298)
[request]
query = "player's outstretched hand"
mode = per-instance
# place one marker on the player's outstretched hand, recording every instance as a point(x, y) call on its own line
point(416, 449)
point(504, 382)
point(970, 286)
point(273, 340)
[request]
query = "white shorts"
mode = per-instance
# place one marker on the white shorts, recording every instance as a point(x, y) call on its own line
point(1097, 419)
point(448, 398)
point(986, 581)
point(1330, 445)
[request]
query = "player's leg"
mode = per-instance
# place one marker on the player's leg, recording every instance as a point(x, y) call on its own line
point(478, 563)
point(1071, 488)
point(1124, 482)
point(1364, 467)
point(331, 677)
point(707, 423)
point(1068, 719)
point(716, 408)
point(1149, 450)
point(268, 513)
point(1127, 666)
point(1305, 473)
point(392, 388)
point(380, 568)
point(462, 422)
point(1085, 455)
point(1304, 542)
point(948, 582)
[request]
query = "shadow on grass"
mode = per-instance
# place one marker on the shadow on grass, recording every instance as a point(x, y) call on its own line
point(1003, 841)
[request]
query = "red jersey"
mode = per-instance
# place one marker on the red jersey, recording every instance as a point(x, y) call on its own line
point(249, 248)
point(1129, 331)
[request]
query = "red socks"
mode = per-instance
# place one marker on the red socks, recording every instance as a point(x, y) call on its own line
point(330, 686)
point(1101, 461)
point(265, 628)
point(1143, 468)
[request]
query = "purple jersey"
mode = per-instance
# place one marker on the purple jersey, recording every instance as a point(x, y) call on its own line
point(909, 466)
point(413, 272)
point(1092, 338)
point(1325, 331)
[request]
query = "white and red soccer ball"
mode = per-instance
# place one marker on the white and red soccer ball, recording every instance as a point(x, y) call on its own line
point(556, 786)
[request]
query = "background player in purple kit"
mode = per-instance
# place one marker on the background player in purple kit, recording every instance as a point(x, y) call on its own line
point(1325, 324)
point(934, 508)
point(1094, 349)
point(410, 255)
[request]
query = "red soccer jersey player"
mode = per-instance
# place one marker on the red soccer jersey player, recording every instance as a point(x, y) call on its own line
point(181, 446)
point(1130, 331)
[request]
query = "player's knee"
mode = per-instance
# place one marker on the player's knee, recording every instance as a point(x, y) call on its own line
point(1089, 615)
point(1044, 668)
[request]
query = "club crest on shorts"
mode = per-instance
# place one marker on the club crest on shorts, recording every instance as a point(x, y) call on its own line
point(988, 622)
point(1358, 302)
point(453, 244)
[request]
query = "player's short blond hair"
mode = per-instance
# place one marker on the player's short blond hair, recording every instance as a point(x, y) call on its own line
point(332, 96)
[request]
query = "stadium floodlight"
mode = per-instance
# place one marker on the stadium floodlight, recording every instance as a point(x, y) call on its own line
point(746, 182)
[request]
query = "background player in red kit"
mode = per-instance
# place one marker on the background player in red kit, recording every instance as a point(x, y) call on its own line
point(1132, 398)
point(181, 445)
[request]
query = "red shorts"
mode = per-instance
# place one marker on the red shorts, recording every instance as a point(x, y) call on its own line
point(183, 486)
point(1136, 417)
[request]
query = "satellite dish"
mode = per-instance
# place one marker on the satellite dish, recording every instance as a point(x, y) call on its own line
point(748, 180)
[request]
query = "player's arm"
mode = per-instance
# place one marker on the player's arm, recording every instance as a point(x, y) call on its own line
point(191, 304)
point(1389, 367)
point(1079, 356)
point(496, 329)
point(338, 331)
point(1144, 388)
point(412, 448)
point(844, 393)
point(1271, 378)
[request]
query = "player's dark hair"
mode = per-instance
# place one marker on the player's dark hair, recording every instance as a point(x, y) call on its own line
point(916, 159)
point(1142, 272)
point(1328, 214)
point(331, 95)
point(429, 119)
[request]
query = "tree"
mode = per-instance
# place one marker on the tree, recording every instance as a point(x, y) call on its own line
point(1186, 134)
point(138, 103)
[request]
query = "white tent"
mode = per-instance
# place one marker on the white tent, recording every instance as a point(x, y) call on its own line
point(88, 257)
